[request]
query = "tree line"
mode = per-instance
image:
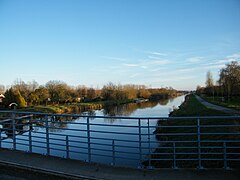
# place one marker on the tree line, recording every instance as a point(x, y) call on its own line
point(58, 92)
point(228, 84)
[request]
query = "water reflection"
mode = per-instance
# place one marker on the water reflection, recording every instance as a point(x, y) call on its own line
point(89, 113)
point(59, 123)
point(126, 109)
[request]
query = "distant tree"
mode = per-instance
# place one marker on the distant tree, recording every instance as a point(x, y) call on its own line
point(131, 90)
point(230, 79)
point(20, 100)
point(108, 91)
point(12, 96)
point(91, 94)
point(42, 94)
point(143, 93)
point(209, 80)
point(32, 86)
point(2, 89)
point(209, 90)
point(114, 92)
point(199, 90)
point(57, 91)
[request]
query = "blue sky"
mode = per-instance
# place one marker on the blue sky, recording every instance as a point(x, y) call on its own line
point(92, 42)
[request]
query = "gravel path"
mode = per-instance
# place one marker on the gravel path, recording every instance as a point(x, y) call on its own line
point(216, 107)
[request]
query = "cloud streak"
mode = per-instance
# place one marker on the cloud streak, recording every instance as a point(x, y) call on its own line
point(156, 53)
point(114, 58)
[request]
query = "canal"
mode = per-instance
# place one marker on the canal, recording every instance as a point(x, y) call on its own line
point(106, 134)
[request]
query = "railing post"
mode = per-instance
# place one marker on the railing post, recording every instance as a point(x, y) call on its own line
point(30, 141)
point(13, 131)
point(30, 134)
point(174, 156)
point(113, 153)
point(67, 148)
point(225, 156)
point(0, 138)
point(140, 143)
point(199, 144)
point(47, 135)
point(149, 147)
point(89, 140)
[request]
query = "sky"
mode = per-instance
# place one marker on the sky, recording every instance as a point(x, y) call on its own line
point(157, 43)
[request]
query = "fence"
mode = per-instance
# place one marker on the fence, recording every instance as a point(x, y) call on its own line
point(146, 142)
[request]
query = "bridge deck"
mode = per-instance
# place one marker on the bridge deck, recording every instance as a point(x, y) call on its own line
point(72, 169)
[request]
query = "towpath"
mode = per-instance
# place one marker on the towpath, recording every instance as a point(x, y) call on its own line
point(217, 107)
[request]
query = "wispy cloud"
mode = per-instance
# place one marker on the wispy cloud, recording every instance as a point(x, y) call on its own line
point(153, 57)
point(194, 59)
point(234, 57)
point(147, 63)
point(130, 65)
point(188, 69)
point(114, 58)
point(156, 53)
point(173, 79)
point(218, 64)
point(134, 75)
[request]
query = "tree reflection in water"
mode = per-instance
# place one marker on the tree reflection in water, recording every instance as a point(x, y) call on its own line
point(128, 109)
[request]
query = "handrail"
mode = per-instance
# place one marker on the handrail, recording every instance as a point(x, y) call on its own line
point(146, 142)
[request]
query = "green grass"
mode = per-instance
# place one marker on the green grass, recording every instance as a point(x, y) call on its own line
point(73, 108)
point(233, 103)
point(166, 128)
point(192, 107)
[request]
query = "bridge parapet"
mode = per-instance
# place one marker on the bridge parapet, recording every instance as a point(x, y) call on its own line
point(142, 142)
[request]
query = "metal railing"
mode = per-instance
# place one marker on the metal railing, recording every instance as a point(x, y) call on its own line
point(143, 142)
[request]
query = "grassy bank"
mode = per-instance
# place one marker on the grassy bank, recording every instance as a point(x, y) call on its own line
point(73, 108)
point(183, 134)
point(233, 103)
point(192, 107)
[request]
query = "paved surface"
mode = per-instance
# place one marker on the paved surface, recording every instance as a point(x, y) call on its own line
point(22, 165)
point(216, 107)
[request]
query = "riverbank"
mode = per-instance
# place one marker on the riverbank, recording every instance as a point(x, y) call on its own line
point(233, 103)
point(192, 107)
point(183, 135)
point(207, 104)
point(74, 108)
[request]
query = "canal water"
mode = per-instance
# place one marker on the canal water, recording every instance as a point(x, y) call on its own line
point(110, 137)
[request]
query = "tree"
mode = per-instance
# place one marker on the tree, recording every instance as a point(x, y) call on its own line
point(209, 84)
point(199, 90)
point(12, 96)
point(209, 81)
point(57, 91)
point(2, 89)
point(20, 100)
point(230, 79)
point(114, 92)
point(42, 95)
point(91, 94)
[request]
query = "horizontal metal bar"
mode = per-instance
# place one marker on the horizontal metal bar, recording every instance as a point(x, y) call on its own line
point(121, 117)
point(177, 134)
point(222, 133)
point(72, 146)
point(56, 144)
point(110, 132)
point(53, 148)
point(18, 143)
point(114, 146)
point(42, 147)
